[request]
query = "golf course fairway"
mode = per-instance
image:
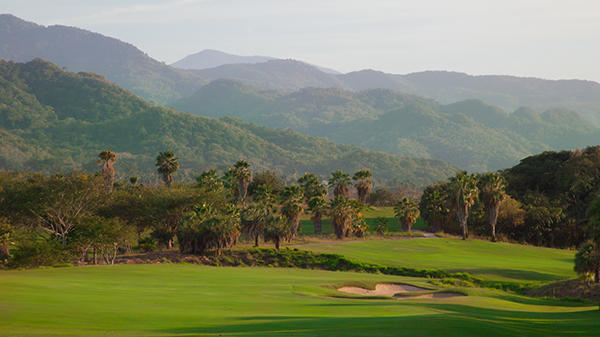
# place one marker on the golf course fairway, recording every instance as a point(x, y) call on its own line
point(194, 300)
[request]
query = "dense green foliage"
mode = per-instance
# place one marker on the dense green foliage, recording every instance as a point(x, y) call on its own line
point(544, 200)
point(52, 120)
point(469, 134)
point(557, 190)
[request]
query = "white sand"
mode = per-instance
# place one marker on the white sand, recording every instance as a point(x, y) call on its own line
point(390, 289)
point(382, 289)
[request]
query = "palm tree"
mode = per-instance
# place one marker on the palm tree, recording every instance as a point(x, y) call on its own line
point(253, 218)
point(492, 191)
point(291, 200)
point(407, 212)
point(243, 175)
point(166, 165)
point(463, 194)
point(107, 160)
point(341, 183)
point(363, 184)
point(311, 186)
point(317, 205)
point(342, 213)
point(277, 228)
point(433, 205)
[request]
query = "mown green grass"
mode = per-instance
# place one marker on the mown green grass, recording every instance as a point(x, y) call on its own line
point(370, 214)
point(488, 260)
point(191, 300)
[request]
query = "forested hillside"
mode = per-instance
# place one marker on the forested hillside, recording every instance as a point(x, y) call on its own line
point(469, 134)
point(53, 120)
point(82, 50)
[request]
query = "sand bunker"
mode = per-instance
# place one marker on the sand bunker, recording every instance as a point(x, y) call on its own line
point(432, 295)
point(390, 289)
point(382, 289)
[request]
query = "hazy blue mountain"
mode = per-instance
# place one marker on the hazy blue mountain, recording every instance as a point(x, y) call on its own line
point(469, 134)
point(209, 58)
point(506, 92)
point(277, 74)
point(82, 50)
point(52, 120)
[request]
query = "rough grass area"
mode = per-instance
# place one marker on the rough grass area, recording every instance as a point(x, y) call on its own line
point(193, 300)
point(487, 260)
point(570, 289)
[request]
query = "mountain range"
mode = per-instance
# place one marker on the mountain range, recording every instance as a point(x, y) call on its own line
point(469, 134)
point(53, 120)
point(81, 50)
point(124, 64)
point(474, 122)
point(210, 58)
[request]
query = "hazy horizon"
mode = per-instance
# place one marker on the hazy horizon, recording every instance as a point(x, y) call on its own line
point(529, 39)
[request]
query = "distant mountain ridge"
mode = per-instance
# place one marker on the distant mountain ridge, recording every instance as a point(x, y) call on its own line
point(469, 134)
point(52, 120)
point(122, 63)
point(507, 92)
point(82, 50)
point(210, 58)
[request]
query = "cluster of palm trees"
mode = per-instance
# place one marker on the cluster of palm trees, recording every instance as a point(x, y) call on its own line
point(267, 213)
point(465, 189)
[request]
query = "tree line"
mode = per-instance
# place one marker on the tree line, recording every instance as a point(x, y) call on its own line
point(550, 199)
point(49, 219)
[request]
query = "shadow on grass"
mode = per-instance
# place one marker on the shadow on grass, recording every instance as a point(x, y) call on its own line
point(444, 320)
point(511, 273)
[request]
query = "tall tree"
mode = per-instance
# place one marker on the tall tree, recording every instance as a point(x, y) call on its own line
point(492, 192)
point(311, 186)
point(314, 194)
point(277, 229)
point(291, 206)
point(340, 182)
point(253, 217)
point(243, 175)
point(343, 211)
point(317, 206)
point(407, 212)
point(166, 165)
point(107, 160)
point(363, 183)
point(434, 205)
point(463, 194)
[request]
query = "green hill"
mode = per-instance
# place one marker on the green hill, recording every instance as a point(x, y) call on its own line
point(82, 50)
point(56, 120)
point(469, 134)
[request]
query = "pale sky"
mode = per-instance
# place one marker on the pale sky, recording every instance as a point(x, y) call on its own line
point(555, 39)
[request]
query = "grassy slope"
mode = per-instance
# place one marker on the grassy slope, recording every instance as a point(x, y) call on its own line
point(190, 300)
point(494, 261)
